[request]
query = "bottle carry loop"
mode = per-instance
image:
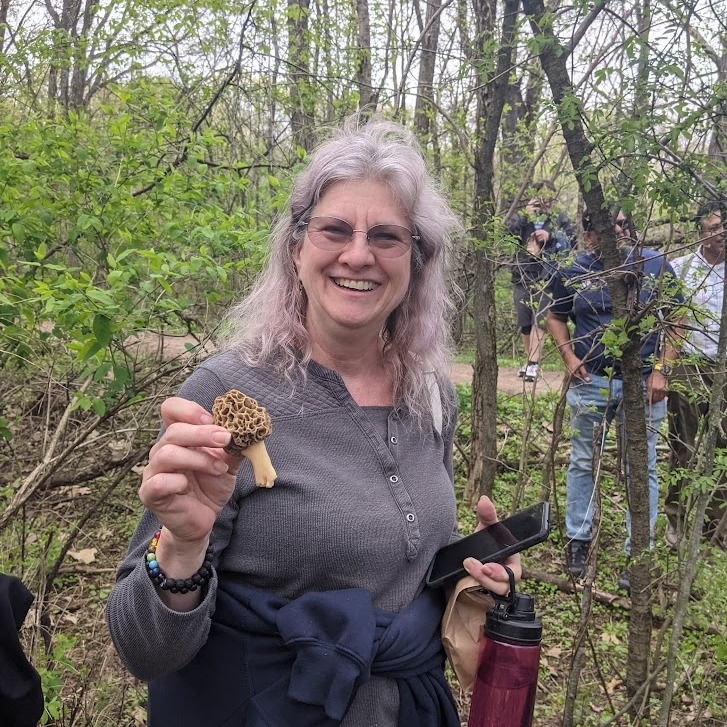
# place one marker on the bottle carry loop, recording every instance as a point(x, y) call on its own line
point(505, 602)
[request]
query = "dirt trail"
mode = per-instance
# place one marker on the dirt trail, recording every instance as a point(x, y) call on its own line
point(508, 380)
point(461, 373)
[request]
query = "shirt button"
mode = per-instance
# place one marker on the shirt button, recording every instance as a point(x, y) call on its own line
point(394, 440)
point(410, 517)
point(394, 478)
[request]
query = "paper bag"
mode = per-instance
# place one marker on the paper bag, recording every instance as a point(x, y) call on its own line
point(462, 626)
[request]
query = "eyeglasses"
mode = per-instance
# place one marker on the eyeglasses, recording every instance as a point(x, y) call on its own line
point(333, 235)
point(713, 230)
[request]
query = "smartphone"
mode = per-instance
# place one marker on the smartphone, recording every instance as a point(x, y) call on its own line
point(492, 544)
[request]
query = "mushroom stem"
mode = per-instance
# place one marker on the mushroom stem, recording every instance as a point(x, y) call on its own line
point(261, 465)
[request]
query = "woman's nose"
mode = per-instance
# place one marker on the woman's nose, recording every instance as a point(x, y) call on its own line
point(358, 251)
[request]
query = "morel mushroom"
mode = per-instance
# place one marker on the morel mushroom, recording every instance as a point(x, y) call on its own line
point(249, 423)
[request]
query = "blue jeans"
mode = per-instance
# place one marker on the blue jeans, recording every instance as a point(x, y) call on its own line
point(600, 400)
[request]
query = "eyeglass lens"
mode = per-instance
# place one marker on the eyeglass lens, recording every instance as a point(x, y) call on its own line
point(331, 234)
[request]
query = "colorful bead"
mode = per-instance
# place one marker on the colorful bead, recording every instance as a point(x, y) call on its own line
point(176, 585)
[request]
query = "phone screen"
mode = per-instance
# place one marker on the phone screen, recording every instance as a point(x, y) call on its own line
point(494, 543)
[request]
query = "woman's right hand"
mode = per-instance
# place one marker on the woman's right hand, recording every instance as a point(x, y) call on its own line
point(189, 477)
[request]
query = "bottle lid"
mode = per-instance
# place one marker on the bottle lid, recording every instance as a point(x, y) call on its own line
point(515, 621)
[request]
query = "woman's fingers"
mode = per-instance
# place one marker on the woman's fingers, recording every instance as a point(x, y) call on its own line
point(156, 489)
point(176, 409)
point(493, 576)
point(174, 457)
point(193, 435)
point(486, 513)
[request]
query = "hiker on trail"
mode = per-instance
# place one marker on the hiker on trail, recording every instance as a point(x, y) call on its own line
point(595, 394)
point(544, 239)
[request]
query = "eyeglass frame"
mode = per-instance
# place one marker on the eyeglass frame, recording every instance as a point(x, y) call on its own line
point(713, 230)
point(415, 237)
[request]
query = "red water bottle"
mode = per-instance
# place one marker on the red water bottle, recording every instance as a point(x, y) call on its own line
point(507, 669)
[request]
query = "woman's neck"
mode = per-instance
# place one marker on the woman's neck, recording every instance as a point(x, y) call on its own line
point(350, 360)
point(361, 366)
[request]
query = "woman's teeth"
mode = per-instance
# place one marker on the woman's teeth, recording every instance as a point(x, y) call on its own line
point(355, 284)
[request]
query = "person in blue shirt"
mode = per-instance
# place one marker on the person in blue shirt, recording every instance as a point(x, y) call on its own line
point(580, 294)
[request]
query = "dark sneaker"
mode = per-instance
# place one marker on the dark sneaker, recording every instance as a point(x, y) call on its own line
point(624, 581)
point(577, 556)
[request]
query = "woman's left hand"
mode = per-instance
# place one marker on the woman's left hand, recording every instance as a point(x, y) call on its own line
point(492, 576)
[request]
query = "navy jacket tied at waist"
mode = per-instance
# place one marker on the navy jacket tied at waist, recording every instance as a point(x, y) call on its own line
point(272, 662)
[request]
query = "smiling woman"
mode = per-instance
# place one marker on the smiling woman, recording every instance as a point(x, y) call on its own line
point(343, 341)
point(352, 290)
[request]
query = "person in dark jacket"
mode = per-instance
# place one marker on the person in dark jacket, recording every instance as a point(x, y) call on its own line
point(544, 241)
point(305, 603)
point(21, 695)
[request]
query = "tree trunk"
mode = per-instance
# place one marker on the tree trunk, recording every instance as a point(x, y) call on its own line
point(363, 57)
point(718, 142)
point(491, 95)
point(519, 127)
point(553, 58)
point(68, 73)
point(4, 7)
point(301, 94)
point(640, 620)
point(427, 58)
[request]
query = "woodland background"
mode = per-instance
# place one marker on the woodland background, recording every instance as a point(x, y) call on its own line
point(145, 150)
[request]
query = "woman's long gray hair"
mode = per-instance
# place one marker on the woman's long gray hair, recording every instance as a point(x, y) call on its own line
point(268, 326)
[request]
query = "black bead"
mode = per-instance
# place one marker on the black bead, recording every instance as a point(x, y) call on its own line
point(178, 585)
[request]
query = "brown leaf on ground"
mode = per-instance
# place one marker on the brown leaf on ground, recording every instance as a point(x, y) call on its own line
point(86, 555)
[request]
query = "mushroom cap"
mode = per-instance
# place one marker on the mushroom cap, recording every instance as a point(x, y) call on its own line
point(243, 417)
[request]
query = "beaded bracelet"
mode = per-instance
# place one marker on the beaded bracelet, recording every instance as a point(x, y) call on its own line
point(176, 585)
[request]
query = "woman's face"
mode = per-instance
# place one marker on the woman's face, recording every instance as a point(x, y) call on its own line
point(352, 288)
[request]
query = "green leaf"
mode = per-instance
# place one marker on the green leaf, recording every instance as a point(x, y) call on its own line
point(18, 231)
point(102, 329)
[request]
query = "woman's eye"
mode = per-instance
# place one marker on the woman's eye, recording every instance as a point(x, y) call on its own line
point(336, 231)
